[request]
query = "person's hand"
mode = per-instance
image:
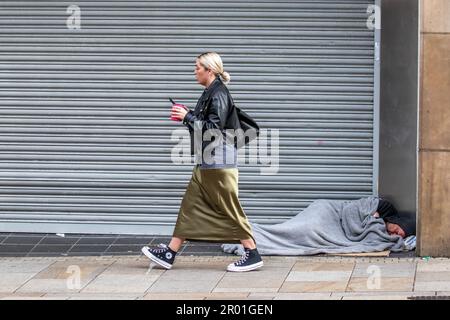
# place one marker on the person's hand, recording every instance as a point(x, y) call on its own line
point(179, 111)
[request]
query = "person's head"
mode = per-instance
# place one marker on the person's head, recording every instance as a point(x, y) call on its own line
point(209, 65)
point(403, 224)
point(395, 229)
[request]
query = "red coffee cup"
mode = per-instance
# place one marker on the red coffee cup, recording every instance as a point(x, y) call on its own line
point(176, 107)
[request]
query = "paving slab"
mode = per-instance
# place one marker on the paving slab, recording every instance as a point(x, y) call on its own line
point(383, 284)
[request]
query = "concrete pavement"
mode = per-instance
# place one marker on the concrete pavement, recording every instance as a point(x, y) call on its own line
point(205, 277)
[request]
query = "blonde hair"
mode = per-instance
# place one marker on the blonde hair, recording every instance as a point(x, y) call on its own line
point(212, 60)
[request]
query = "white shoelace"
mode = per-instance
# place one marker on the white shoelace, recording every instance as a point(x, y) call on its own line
point(162, 248)
point(244, 257)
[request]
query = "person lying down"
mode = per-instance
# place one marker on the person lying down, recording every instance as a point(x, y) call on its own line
point(369, 224)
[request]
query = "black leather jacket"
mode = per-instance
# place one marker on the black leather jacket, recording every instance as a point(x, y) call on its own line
point(217, 101)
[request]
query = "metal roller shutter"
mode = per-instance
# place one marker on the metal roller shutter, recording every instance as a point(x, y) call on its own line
point(84, 118)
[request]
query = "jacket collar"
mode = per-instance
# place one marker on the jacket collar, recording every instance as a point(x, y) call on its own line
point(210, 90)
point(213, 84)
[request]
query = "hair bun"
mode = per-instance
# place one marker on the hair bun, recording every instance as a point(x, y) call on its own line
point(226, 76)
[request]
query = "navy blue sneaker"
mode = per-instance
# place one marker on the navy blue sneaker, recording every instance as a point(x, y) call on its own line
point(163, 255)
point(249, 261)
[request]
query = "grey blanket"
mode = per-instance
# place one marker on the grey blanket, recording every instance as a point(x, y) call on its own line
point(326, 226)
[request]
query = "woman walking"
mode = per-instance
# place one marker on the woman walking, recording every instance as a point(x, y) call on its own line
point(210, 210)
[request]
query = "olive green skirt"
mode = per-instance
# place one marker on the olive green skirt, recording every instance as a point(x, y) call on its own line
point(210, 210)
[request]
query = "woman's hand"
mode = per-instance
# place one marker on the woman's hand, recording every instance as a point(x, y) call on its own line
point(179, 111)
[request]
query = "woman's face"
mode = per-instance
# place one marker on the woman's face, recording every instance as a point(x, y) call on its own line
point(394, 229)
point(201, 73)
